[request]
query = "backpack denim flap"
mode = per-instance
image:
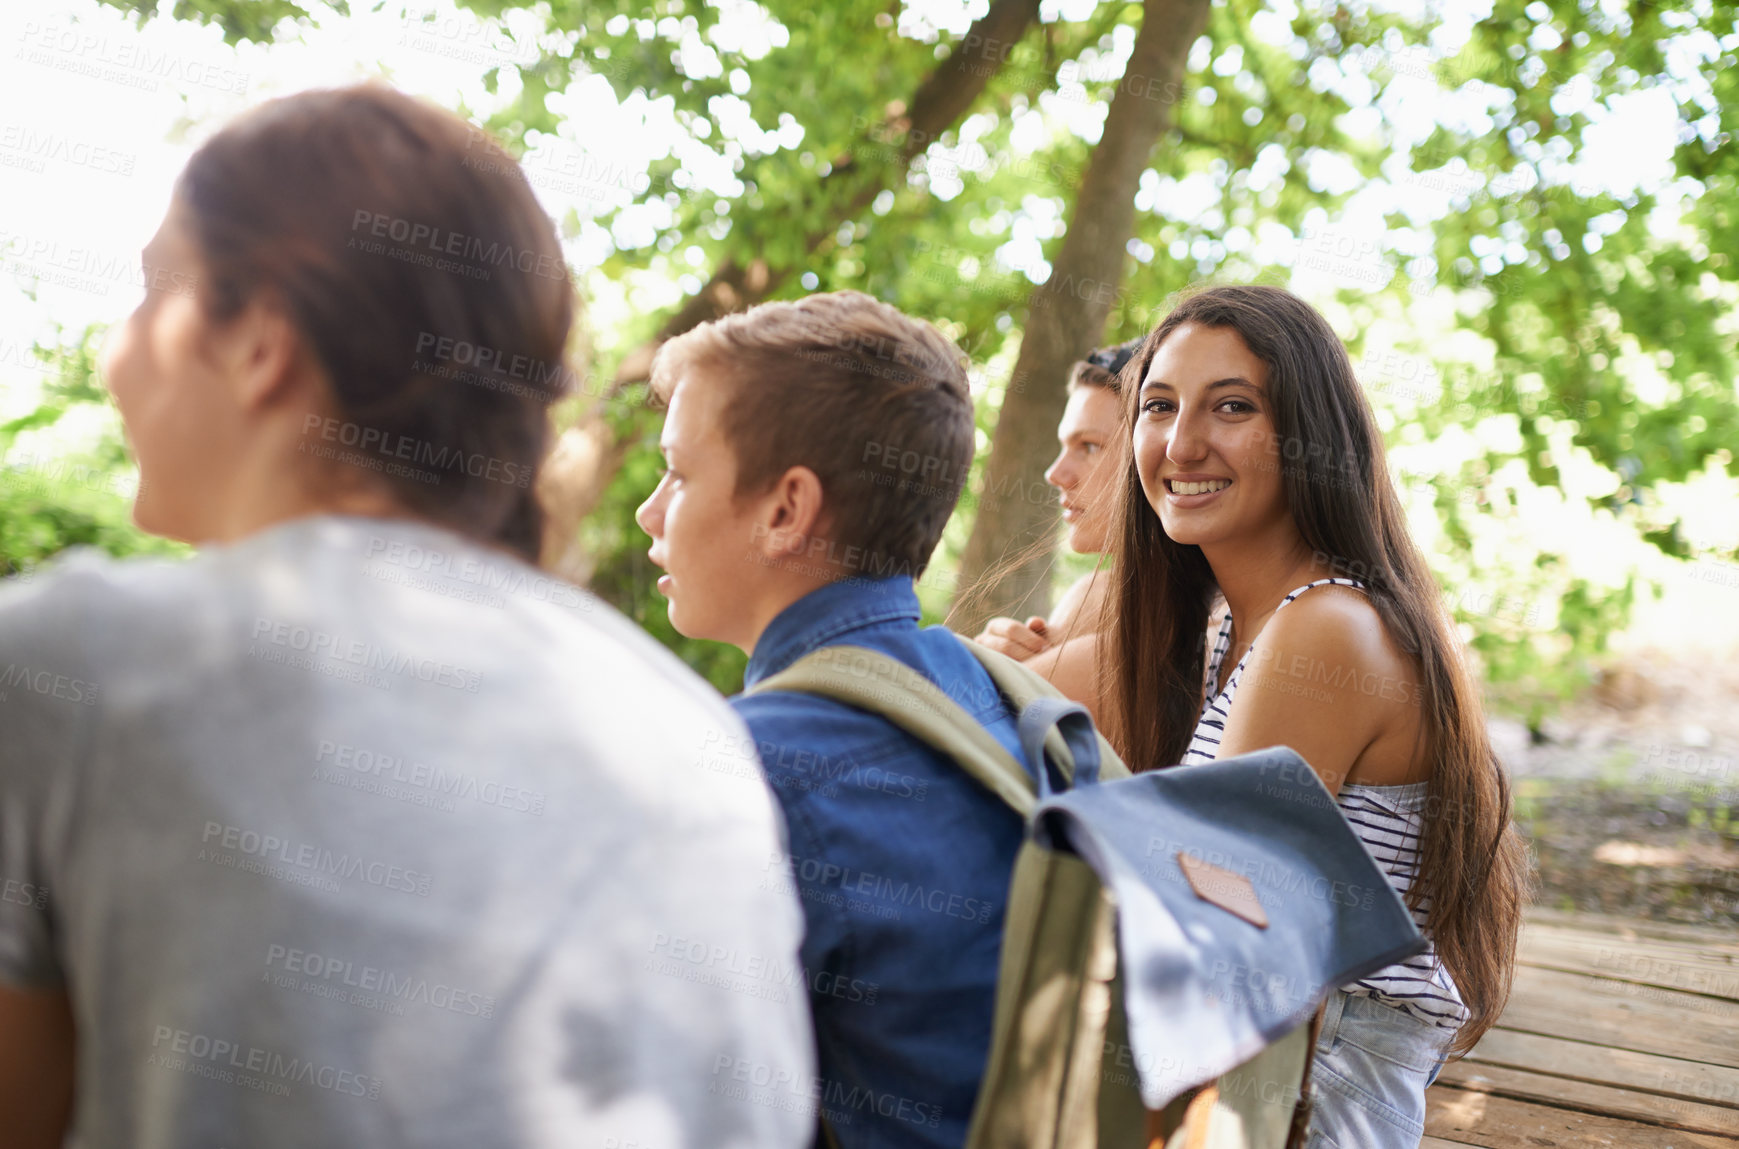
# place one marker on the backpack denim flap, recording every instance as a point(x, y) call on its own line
point(1243, 897)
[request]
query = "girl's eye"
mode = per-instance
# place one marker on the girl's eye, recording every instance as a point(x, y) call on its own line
point(1156, 406)
point(1092, 448)
point(1238, 407)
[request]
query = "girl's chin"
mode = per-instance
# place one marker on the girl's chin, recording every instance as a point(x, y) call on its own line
point(1181, 529)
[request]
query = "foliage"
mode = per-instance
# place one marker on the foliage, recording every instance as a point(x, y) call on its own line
point(256, 20)
point(50, 501)
point(1587, 303)
point(1591, 327)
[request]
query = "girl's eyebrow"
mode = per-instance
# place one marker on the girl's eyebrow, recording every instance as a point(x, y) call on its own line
point(1229, 381)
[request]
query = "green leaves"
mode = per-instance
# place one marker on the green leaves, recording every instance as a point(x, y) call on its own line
point(1590, 311)
point(54, 499)
point(254, 20)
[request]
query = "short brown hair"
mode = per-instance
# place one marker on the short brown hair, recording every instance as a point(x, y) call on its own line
point(875, 403)
point(1104, 367)
point(1087, 374)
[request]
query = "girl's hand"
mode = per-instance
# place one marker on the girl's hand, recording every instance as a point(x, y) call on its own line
point(1018, 640)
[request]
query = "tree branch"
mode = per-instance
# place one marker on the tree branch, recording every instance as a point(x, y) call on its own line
point(588, 456)
point(940, 100)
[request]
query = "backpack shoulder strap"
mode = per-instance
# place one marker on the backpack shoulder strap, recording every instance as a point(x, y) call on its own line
point(1020, 684)
point(870, 680)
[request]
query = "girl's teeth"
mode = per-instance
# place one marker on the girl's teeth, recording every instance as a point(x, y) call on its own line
point(1199, 488)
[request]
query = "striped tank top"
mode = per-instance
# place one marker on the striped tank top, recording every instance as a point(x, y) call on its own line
point(1387, 819)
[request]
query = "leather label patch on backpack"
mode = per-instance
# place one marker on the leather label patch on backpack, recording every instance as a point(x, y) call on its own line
point(1231, 892)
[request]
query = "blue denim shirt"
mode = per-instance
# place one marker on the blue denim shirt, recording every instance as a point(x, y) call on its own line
point(902, 864)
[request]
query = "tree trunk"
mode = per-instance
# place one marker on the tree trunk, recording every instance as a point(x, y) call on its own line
point(1007, 564)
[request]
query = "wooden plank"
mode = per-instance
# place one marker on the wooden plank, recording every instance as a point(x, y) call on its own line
point(1719, 937)
point(1623, 1015)
point(1562, 1092)
point(1704, 970)
point(1617, 1033)
point(1723, 941)
point(1618, 953)
point(1457, 1117)
point(1723, 951)
point(1673, 1077)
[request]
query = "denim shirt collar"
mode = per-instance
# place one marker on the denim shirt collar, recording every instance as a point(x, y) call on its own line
point(822, 616)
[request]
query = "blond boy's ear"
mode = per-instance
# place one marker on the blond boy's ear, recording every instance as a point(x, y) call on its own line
point(791, 512)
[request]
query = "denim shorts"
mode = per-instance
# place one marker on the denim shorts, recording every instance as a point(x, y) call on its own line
point(1373, 1064)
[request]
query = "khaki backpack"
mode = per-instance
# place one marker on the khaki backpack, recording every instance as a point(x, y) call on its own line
point(1061, 1073)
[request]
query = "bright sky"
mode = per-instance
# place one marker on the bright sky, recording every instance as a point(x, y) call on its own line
point(98, 117)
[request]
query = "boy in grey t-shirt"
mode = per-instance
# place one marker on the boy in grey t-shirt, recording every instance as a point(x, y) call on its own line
point(356, 832)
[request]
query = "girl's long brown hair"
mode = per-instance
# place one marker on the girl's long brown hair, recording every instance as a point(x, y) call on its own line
point(1472, 871)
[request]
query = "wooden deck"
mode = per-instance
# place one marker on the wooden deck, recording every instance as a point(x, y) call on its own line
point(1618, 1033)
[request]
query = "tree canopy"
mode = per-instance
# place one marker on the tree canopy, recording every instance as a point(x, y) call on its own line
point(1533, 320)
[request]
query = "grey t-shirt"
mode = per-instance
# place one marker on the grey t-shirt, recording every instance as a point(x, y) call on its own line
point(357, 833)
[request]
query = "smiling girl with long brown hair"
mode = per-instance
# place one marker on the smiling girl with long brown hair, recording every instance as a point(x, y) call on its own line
point(1255, 475)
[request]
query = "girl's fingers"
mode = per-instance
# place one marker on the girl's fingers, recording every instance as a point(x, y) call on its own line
point(1020, 639)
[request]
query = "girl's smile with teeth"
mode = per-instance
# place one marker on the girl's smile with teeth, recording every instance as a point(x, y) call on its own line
point(1202, 488)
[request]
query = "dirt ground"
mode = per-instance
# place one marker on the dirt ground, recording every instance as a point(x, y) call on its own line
point(1631, 802)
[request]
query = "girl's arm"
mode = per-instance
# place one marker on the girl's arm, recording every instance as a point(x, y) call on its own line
point(1073, 668)
point(1077, 612)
